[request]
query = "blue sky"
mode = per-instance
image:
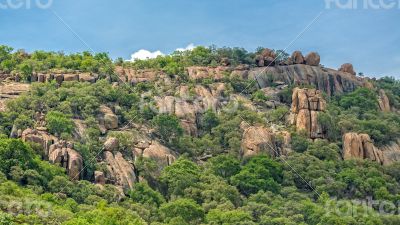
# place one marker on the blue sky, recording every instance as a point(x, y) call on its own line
point(368, 38)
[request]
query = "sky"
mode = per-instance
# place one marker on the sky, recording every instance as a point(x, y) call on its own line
point(366, 35)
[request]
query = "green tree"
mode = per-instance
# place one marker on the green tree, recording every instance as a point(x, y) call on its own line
point(143, 194)
point(179, 176)
point(187, 209)
point(259, 173)
point(168, 127)
point(58, 123)
point(224, 166)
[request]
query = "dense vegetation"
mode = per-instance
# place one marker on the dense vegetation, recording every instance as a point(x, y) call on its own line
point(310, 186)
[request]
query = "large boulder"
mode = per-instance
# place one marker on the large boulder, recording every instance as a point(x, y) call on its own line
point(297, 58)
point(266, 58)
point(306, 105)
point(347, 68)
point(313, 59)
point(62, 154)
point(107, 119)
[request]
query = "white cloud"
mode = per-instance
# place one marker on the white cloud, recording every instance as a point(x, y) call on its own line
point(188, 48)
point(145, 54)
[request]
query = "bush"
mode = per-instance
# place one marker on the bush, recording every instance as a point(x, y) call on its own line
point(58, 123)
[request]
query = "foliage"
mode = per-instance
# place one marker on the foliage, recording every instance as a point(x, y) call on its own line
point(58, 123)
point(259, 173)
point(168, 127)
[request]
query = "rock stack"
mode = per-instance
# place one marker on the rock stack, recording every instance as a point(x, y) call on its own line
point(306, 104)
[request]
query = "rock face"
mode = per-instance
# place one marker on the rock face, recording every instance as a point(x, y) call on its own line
point(383, 101)
point(312, 59)
point(306, 104)
point(347, 68)
point(191, 103)
point(119, 171)
point(42, 138)
point(360, 146)
point(330, 81)
point(62, 154)
point(391, 152)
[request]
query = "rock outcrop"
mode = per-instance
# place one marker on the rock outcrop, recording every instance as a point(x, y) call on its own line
point(360, 146)
point(107, 119)
point(111, 144)
point(60, 77)
point(63, 154)
point(312, 59)
point(191, 103)
point(347, 68)
point(391, 152)
point(266, 58)
point(383, 100)
point(155, 151)
point(258, 140)
point(297, 58)
point(306, 104)
point(135, 76)
point(119, 171)
point(11, 91)
point(330, 81)
point(44, 139)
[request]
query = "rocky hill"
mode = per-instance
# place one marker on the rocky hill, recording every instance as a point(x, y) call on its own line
point(141, 123)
